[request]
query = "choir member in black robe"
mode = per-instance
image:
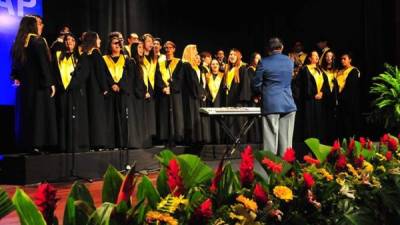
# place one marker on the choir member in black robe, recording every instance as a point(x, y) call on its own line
point(35, 111)
point(169, 87)
point(328, 66)
point(255, 132)
point(149, 70)
point(93, 66)
point(348, 98)
point(71, 100)
point(192, 95)
point(139, 92)
point(237, 89)
point(314, 89)
point(58, 44)
point(214, 89)
point(120, 108)
point(204, 120)
point(133, 38)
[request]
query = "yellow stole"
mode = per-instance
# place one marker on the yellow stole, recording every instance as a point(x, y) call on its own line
point(214, 84)
point(318, 77)
point(28, 37)
point(66, 67)
point(253, 68)
point(149, 72)
point(166, 73)
point(302, 57)
point(342, 76)
point(230, 76)
point(116, 69)
point(331, 74)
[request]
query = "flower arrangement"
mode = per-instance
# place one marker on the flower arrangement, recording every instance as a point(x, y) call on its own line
point(351, 182)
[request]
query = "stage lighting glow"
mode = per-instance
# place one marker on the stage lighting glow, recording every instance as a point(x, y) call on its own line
point(11, 12)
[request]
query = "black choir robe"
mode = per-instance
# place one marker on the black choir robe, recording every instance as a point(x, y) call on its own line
point(135, 76)
point(35, 111)
point(71, 102)
point(92, 65)
point(255, 132)
point(192, 95)
point(349, 103)
point(238, 95)
point(331, 107)
point(121, 112)
point(313, 112)
point(149, 68)
point(205, 120)
point(214, 90)
point(170, 125)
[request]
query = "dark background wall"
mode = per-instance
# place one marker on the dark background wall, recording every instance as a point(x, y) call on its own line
point(368, 28)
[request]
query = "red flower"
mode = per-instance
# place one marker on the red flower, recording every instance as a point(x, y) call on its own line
point(341, 162)
point(351, 146)
point(274, 167)
point(363, 142)
point(392, 144)
point(369, 145)
point(175, 181)
point(217, 178)
point(311, 160)
point(46, 201)
point(384, 138)
point(309, 180)
point(260, 195)
point(127, 187)
point(335, 147)
point(359, 161)
point(289, 155)
point(389, 155)
point(247, 166)
point(203, 213)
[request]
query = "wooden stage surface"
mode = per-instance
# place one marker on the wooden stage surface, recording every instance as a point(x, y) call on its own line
point(62, 193)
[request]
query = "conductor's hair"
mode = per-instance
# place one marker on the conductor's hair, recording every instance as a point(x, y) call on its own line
point(275, 44)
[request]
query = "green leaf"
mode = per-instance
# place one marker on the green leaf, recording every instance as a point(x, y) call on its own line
point(102, 215)
point(229, 183)
point(162, 186)
point(80, 192)
point(79, 195)
point(320, 151)
point(27, 211)
point(69, 212)
point(260, 155)
point(147, 191)
point(6, 205)
point(193, 170)
point(112, 184)
point(165, 156)
point(368, 154)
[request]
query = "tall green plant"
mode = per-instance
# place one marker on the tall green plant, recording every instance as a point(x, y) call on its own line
point(386, 87)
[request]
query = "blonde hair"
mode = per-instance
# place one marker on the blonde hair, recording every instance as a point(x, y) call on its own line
point(189, 54)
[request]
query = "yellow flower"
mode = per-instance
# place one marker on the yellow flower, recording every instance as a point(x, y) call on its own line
point(152, 216)
point(326, 174)
point(368, 167)
point(352, 170)
point(171, 203)
point(381, 168)
point(380, 157)
point(341, 178)
point(283, 193)
point(248, 203)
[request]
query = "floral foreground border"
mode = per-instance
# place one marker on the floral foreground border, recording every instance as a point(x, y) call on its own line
point(354, 182)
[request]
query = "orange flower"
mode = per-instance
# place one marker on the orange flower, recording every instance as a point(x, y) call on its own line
point(274, 167)
point(311, 160)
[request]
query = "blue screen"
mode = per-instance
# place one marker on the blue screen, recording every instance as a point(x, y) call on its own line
point(11, 12)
